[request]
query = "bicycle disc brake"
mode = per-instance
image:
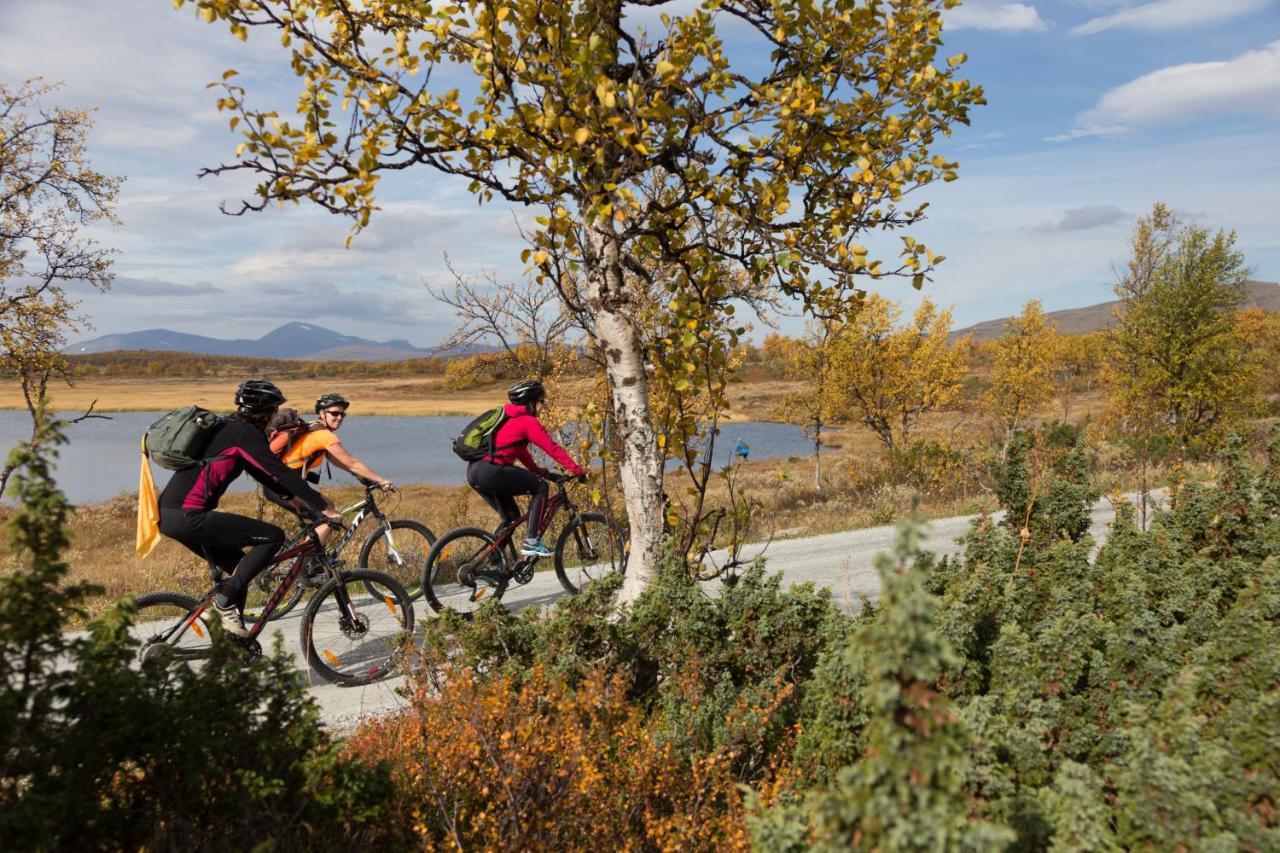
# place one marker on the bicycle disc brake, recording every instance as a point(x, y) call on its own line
point(354, 629)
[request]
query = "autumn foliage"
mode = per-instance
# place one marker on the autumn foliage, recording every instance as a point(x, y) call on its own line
point(541, 763)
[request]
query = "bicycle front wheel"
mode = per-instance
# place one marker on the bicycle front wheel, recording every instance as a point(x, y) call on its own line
point(353, 637)
point(400, 549)
point(590, 547)
point(163, 628)
point(464, 569)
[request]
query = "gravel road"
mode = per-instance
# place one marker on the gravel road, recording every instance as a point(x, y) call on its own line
point(843, 562)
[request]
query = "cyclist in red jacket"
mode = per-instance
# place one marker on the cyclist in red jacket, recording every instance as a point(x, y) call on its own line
point(496, 478)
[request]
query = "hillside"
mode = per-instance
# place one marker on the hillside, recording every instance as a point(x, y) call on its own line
point(1091, 318)
point(303, 341)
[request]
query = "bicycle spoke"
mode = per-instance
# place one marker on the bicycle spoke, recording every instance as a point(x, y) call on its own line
point(356, 635)
point(161, 629)
point(468, 571)
point(400, 552)
point(588, 549)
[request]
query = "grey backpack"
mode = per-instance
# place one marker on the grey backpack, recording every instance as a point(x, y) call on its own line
point(179, 439)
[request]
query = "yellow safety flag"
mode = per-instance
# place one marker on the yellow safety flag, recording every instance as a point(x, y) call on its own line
point(148, 508)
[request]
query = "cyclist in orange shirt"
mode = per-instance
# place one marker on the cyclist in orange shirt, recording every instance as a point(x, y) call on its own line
point(308, 450)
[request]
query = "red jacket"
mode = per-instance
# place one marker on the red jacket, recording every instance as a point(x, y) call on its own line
point(513, 437)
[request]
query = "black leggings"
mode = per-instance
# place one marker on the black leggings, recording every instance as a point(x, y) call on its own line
point(222, 538)
point(498, 484)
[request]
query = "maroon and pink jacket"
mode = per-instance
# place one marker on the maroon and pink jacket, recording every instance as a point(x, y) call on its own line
point(512, 442)
point(237, 447)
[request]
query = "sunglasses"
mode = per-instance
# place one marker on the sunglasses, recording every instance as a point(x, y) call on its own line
point(338, 414)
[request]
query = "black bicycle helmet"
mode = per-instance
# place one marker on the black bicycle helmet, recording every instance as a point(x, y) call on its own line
point(258, 395)
point(527, 393)
point(324, 401)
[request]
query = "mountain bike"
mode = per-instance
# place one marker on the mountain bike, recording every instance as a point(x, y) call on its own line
point(397, 547)
point(349, 634)
point(468, 566)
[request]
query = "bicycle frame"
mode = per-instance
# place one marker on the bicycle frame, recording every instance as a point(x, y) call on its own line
point(503, 533)
point(363, 508)
point(296, 552)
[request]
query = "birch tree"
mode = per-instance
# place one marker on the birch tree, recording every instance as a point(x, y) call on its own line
point(1178, 372)
point(894, 373)
point(1025, 357)
point(49, 193)
point(644, 147)
point(821, 398)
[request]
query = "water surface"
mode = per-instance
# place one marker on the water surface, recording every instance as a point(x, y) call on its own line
point(101, 460)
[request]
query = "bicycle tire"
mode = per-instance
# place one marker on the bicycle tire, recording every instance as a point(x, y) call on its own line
point(450, 571)
point(156, 613)
point(412, 555)
point(368, 653)
point(570, 569)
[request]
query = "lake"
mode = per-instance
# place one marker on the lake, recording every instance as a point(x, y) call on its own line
point(101, 460)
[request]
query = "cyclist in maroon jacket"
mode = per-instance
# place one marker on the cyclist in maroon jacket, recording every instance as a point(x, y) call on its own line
point(496, 478)
point(189, 501)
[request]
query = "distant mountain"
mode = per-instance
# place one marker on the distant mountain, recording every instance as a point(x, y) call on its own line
point(1079, 321)
point(302, 341)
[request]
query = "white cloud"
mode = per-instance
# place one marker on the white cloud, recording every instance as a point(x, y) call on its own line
point(1170, 15)
point(1005, 17)
point(1247, 84)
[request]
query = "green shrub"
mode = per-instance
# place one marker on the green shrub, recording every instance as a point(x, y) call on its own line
point(96, 754)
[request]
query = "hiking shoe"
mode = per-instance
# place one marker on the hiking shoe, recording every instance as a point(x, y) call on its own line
point(231, 617)
point(534, 548)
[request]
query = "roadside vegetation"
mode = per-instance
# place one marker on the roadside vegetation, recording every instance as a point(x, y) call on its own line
point(1019, 696)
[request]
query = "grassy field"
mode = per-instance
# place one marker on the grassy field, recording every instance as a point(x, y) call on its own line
point(390, 396)
point(754, 399)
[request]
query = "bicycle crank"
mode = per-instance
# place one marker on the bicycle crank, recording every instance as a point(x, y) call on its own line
point(251, 647)
point(523, 572)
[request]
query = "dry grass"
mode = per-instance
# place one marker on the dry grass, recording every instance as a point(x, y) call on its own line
point(427, 395)
point(379, 396)
point(102, 534)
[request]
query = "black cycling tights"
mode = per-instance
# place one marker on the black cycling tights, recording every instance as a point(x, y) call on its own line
point(498, 484)
point(223, 537)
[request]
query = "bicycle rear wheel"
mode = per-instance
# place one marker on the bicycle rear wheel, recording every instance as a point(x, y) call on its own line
point(161, 631)
point(464, 569)
point(400, 551)
point(353, 637)
point(590, 547)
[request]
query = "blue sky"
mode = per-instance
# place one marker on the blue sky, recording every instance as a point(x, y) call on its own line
point(1097, 109)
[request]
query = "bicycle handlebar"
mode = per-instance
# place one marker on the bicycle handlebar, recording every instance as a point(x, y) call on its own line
point(372, 485)
point(318, 519)
point(556, 477)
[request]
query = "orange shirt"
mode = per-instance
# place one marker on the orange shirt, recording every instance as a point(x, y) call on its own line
point(307, 451)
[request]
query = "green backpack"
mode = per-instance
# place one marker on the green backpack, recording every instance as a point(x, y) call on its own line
point(178, 440)
point(476, 441)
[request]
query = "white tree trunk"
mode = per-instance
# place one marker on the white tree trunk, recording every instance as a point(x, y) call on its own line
point(640, 469)
point(817, 456)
